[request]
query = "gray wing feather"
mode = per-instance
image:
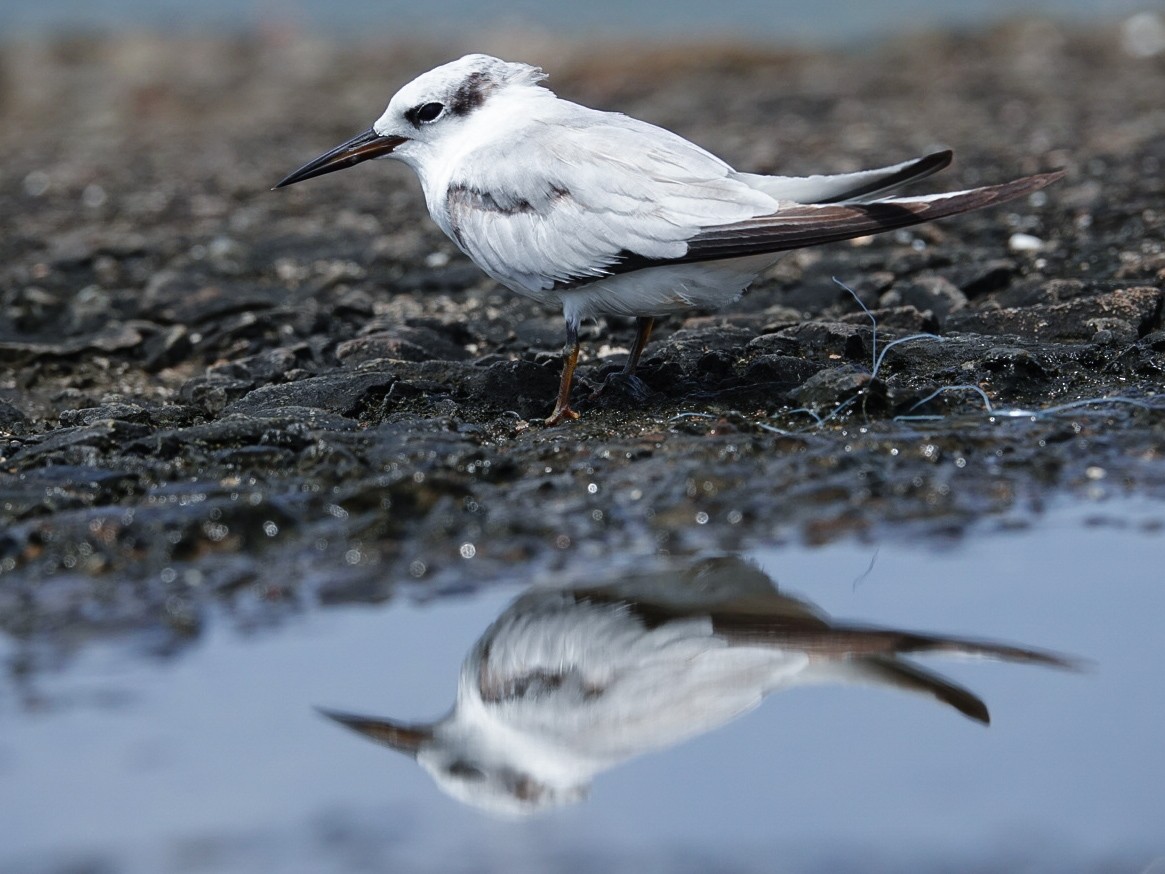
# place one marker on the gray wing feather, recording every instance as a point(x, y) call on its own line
point(587, 194)
point(847, 186)
point(800, 225)
point(565, 201)
point(841, 641)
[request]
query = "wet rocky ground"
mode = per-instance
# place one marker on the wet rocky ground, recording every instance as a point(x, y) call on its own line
point(218, 397)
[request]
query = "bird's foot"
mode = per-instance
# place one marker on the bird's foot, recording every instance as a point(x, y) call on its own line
point(627, 384)
point(562, 412)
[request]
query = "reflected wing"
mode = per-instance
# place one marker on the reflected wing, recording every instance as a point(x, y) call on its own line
point(871, 655)
point(720, 583)
point(745, 608)
point(911, 678)
point(855, 641)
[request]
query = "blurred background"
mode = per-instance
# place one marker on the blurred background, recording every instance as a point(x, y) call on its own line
point(833, 22)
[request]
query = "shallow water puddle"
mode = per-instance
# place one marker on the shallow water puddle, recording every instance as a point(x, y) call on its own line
point(216, 760)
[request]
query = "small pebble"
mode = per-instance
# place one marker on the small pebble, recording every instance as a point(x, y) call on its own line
point(1025, 243)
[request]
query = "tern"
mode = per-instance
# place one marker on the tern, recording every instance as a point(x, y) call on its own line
point(599, 213)
point(567, 683)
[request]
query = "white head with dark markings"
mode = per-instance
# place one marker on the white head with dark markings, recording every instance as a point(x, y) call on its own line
point(429, 112)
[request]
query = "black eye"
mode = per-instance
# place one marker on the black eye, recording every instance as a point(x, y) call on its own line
point(461, 768)
point(429, 111)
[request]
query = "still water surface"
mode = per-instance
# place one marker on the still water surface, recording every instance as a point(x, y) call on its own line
point(216, 761)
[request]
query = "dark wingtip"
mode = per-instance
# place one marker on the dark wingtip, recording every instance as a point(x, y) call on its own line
point(1027, 655)
point(912, 171)
point(963, 700)
point(1050, 177)
point(1019, 187)
point(936, 161)
point(930, 164)
point(978, 712)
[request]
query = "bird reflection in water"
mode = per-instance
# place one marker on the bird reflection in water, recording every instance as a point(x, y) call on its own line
point(568, 683)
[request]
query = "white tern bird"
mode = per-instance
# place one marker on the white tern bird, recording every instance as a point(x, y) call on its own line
point(568, 683)
point(599, 213)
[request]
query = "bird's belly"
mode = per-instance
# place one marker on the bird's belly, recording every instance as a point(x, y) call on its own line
point(659, 291)
point(662, 704)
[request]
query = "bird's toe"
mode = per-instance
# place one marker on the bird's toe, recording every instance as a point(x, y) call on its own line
point(622, 385)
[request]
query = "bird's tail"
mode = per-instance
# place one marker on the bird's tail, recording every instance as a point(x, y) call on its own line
point(856, 642)
point(799, 224)
point(872, 656)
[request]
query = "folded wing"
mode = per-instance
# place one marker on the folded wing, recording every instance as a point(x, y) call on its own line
point(847, 186)
point(559, 202)
point(798, 225)
point(566, 201)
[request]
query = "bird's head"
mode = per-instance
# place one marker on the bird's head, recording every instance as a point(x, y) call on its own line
point(428, 111)
point(464, 765)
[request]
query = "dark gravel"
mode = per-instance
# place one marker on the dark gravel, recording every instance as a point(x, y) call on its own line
point(215, 394)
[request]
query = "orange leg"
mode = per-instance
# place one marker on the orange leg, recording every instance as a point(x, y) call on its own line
point(643, 326)
point(562, 408)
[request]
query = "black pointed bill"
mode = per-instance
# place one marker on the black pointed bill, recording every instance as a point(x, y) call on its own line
point(360, 148)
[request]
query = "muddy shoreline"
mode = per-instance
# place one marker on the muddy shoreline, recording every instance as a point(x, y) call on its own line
point(213, 393)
